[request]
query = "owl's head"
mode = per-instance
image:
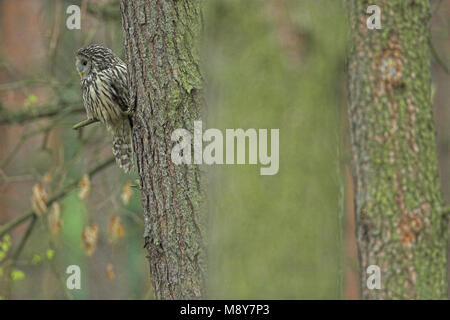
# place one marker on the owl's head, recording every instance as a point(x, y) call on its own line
point(94, 58)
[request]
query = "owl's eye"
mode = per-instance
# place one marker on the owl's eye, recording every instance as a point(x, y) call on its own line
point(84, 62)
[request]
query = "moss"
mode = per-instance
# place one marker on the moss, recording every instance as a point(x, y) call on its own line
point(398, 169)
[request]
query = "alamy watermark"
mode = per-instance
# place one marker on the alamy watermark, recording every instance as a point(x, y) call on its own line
point(235, 140)
point(74, 279)
point(74, 19)
point(374, 21)
point(374, 280)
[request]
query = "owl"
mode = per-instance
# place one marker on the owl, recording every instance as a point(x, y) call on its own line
point(105, 97)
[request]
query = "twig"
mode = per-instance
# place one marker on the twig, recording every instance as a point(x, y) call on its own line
point(24, 240)
point(16, 254)
point(21, 84)
point(65, 190)
point(27, 135)
point(84, 123)
point(13, 85)
point(35, 113)
point(11, 155)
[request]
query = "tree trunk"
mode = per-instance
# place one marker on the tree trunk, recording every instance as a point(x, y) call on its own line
point(400, 222)
point(161, 50)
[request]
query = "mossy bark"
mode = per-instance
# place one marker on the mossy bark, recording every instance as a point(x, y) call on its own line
point(165, 81)
point(400, 222)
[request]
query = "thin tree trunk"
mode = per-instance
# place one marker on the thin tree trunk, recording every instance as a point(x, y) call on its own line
point(161, 49)
point(400, 222)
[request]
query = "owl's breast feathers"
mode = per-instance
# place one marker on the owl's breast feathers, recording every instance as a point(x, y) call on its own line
point(105, 95)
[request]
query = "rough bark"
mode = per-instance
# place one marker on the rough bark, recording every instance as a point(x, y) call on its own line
point(163, 64)
point(400, 222)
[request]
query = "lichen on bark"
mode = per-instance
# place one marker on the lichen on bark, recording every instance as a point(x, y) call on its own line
point(399, 217)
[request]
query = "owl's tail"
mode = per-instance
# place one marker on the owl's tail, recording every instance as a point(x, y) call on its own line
point(123, 145)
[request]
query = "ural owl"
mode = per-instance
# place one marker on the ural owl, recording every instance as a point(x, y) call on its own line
point(105, 97)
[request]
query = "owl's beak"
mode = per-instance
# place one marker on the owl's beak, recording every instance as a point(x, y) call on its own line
point(81, 74)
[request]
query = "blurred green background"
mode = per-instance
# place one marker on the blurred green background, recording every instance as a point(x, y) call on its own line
point(277, 65)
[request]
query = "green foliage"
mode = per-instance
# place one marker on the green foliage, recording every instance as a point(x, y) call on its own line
point(36, 259)
point(5, 245)
point(17, 275)
point(50, 254)
point(30, 101)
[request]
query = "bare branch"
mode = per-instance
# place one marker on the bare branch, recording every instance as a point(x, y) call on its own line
point(64, 191)
point(84, 123)
point(35, 113)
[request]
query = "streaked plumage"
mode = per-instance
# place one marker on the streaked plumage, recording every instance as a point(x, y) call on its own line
point(105, 97)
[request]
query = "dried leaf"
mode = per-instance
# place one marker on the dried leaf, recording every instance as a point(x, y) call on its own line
point(39, 199)
point(115, 229)
point(90, 238)
point(36, 259)
point(54, 219)
point(127, 193)
point(110, 272)
point(85, 187)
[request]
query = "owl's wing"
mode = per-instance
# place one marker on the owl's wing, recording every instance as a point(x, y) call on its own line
point(119, 86)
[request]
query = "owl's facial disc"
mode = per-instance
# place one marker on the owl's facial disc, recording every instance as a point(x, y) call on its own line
point(83, 65)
